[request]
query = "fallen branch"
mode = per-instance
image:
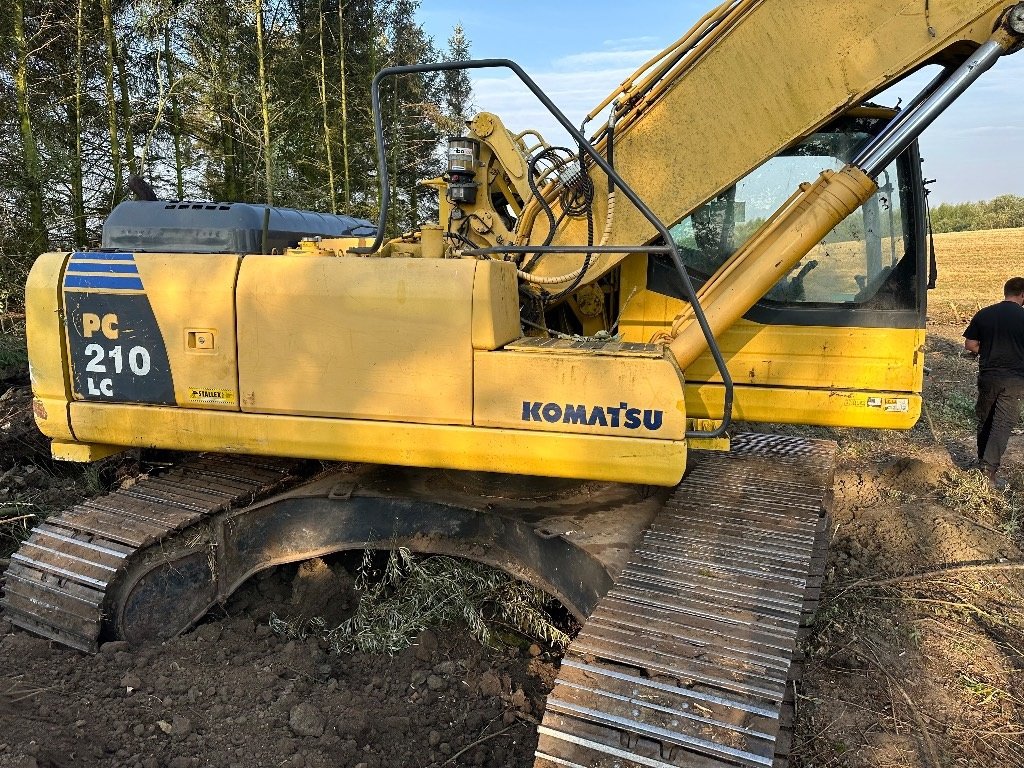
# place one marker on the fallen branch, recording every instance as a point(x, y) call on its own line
point(926, 737)
point(478, 742)
point(18, 519)
point(981, 565)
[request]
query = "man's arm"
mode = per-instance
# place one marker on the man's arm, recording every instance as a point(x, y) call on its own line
point(972, 345)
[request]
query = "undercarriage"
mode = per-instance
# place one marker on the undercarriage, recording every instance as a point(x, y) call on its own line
point(691, 599)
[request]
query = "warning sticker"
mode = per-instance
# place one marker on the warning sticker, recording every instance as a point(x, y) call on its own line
point(218, 396)
point(890, 404)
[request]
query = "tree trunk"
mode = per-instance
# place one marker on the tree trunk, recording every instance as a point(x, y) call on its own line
point(39, 239)
point(347, 183)
point(264, 104)
point(108, 81)
point(174, 121)
point(126, 111)
point(75, 122)
point(323, 109)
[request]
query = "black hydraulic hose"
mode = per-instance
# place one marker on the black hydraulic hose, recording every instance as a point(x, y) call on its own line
point(552, 224)
point(576, 199)
point(581, 141)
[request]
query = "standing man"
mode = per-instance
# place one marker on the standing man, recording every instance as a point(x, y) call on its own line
point(996, 333)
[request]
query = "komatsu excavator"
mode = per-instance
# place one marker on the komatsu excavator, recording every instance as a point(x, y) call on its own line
point(526, 381)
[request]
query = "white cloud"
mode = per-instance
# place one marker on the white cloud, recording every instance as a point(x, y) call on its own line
point(605, 60)
point(576, 83)
point(633, 43)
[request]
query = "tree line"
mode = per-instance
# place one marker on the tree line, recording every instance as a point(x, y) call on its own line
point(1003, 212)
point(239, 100)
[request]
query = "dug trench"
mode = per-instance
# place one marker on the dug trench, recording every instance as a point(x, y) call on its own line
point(907, 664)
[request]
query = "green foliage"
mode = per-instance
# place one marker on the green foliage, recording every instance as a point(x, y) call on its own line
point(13, 273)
point(13, 353)
point(189, 104)
point(1003, 212)
point(411, 594)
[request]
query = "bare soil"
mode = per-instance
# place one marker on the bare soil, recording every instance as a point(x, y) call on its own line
point(922, 671)
point(925, 671)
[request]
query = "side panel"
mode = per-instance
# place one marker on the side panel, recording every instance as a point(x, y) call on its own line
point(821, 407)
point(586, 457)
point(801, 374)
point(640, 396)
point(152, 328)
point(45, 335)
point(387, 339)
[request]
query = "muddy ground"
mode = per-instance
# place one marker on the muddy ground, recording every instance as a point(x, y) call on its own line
point(920, 671)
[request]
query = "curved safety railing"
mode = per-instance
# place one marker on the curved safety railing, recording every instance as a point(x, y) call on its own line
point(669, 249)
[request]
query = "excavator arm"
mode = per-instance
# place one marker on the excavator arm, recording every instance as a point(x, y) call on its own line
point(748, 80)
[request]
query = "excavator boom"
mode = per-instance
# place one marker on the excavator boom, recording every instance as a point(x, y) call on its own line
point(748, 80)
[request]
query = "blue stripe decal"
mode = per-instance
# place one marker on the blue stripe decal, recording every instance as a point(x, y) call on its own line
point(81, 266)
point(102, 256)
point(88, 281)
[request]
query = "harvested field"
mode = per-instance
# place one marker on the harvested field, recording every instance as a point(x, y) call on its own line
point(972, 269)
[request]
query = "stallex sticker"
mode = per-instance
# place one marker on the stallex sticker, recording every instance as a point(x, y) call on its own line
point(621, 415)
point(206, 395)
point(890, 404)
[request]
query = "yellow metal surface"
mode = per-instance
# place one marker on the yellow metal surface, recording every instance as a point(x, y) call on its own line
point(586, 393)
point(827, 408)
point(495, 305)
point(776, 366)
point(784, 69)
point(328, 246)
point(44, 332)
point(192, 297)
point(800, 356)
point(82, 453)
point(707, 443)
point(388, 339)
point(592, 457)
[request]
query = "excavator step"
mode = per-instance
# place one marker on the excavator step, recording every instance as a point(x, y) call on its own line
point(689, 659)
point(57, 583)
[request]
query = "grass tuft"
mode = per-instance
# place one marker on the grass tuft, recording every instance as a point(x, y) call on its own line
point(968, 492)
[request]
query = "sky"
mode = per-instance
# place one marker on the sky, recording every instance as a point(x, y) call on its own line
point(578, 53)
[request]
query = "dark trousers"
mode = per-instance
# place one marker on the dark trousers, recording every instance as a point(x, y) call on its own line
point(998, 412)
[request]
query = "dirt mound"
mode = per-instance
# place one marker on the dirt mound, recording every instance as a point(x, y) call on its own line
point(231, 693)
point(915, 476)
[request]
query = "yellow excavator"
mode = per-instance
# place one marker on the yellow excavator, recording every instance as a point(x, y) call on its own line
point(527, 380)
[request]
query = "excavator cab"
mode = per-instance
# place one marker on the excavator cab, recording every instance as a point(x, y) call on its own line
point(837, 341)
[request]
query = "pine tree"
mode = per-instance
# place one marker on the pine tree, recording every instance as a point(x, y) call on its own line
point(458, 90)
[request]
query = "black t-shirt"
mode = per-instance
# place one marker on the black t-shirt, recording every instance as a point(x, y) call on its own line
point(1000, 329)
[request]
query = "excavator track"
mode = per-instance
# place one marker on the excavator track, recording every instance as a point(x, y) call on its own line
point(689, 659)
point(60, 580)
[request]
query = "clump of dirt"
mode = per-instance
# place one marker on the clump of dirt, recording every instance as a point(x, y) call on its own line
point(231, 693)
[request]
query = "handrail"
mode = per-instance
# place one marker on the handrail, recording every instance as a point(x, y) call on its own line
point(599, 160)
